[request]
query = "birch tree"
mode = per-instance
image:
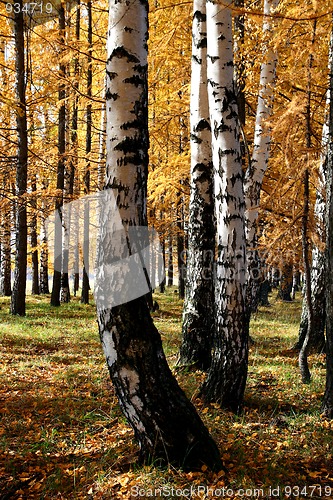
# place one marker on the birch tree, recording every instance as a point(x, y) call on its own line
point(165, 423)
point(327, 406)
point(226, 379)
point(259, 161)
point(198, 322)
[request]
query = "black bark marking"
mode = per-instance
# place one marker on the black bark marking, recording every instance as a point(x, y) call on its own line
point(135, 80)
point(121, 52)
point(110, 96)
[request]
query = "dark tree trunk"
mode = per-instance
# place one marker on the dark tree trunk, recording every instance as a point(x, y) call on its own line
point(181, 255)
point(74, 141)
point(162, 284)
point(170, 261)
point(34, 241)
point(304, 351)
point(286, 283)
point(85, 278)
point(5, 261)
point(56, 286)
point(20, 274)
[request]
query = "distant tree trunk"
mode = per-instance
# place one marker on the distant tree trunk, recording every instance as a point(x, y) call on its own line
point(20, 274)
point(5, 261)
point(286, 282)
point(198, 313)
point(170, 260)
point(303, 354)
point(74, 141)
point(162, 282)
point(165, 423)
point(44, 258)
point(56, 286)
point(327, 405)
point(228, 371)
point(34, 240)
point(85, 277)
point(259, 161)
point(181, 252)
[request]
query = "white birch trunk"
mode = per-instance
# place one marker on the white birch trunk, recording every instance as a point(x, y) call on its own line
point(198, 323)
point(327, 405)
point(165, 423)
point(227, 376)
point(259, 161)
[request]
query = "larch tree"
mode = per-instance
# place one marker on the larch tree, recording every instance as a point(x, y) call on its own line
point(87, 174)
point(58, 237)
point(198, 317)
point(17, 305)
point(165, 423)
point(227, 375)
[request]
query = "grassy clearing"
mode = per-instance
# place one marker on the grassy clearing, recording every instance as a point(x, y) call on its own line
point(62, 435)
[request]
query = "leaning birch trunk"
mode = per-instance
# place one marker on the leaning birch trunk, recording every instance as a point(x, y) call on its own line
point(259, 161)
point(198, 319)
point(165, 423)
point(228, 372)
point(5, 260)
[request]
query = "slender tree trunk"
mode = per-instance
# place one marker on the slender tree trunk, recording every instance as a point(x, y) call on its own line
point(181, 251)
point(165, 423)
point(56, 286)
point(20, 274)
point(85, 278)
point(75, 145)
point(5, 261)
point(170, 260)
point(34, 240)
point(304, 351)
point(303, 354)
point(259, 161)
point(198, 317)
point(327, 405)
point(228, 371)
point(286, 282)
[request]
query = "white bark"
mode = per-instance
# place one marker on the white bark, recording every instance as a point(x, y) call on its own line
point(198, 326)
point(227, 376)
point(262, 140)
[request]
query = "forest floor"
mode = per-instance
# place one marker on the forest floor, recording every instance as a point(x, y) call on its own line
point(62, 435)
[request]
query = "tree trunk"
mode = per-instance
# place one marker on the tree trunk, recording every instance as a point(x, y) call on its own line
point(34, 240)
point(304, 351)
point(165, 423)
point(56, 286)
point(181, 252)
point(85, 278)
point(259, 161)
point(327, 405)
point(44, 258)
point(5, 261)
point(198, 317)
point(170, 260)
point(19, 287)
point(286, 283)
point(228, 372)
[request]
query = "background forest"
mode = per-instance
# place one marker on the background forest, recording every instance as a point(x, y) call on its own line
point(61, 435)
